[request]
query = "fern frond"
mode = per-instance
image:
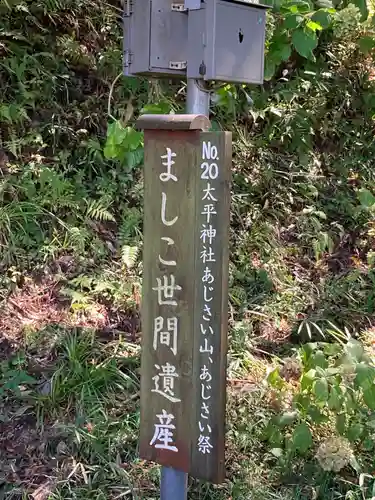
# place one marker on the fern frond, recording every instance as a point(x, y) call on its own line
point(129, 227)
point(77, 239)
point(97, 209)
point(129, 255)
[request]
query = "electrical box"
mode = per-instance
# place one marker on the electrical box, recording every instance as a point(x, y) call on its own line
point(226, 41)
point(155, 38)
point(221, 40)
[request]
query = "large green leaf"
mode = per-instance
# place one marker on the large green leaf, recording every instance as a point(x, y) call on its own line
point(365, 376)
point(308, 379)
point(355, 349)
point(134, 158)
point(369, 397)
point(334, 400)
point(304, 41)
point(301, 438)
point(366, 198)
point(295, 6)
point(362, 6)
point(269, 68)
point(292, 21)
point(314, 26)
point(355, 431)
point(322, 17)
point(318, 359)
point(341, 423)
point(320, 389)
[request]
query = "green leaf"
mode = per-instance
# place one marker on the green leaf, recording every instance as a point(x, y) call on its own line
point(332, 349)
point(279, 52)
point(320, 389)
point(304, 42)
point(301, 438)
point(355, 349)
point(132, 139)
point(369, 397)
point(334, 400)
point(368, 444)
point(295, 6)
point(316, 415)
point(314, 26)
point(318, 359)
point(116, 133)
point(160, 108)
point(274, 379)
point(134, 158)
point(269, 69)
point(110, 151)
point(308, 379)
point(324, 4)
point(322, 17)
point(302, 402)
point(362, 5)
point(370, 422)
point(355, 432)
point(365, 375)
point(366, 198)
point(292, 21)
point(341, 423)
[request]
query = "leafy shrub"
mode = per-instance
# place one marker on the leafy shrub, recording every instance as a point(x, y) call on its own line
point(334, 388)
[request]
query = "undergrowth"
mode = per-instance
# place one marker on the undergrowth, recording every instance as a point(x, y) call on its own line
point(301, 267)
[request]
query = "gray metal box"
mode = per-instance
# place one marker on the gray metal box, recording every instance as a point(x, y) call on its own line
point(226, 42)
point(155, 38)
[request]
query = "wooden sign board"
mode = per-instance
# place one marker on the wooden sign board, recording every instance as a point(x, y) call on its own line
point(185, 296)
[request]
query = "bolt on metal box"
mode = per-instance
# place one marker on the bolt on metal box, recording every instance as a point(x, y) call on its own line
point(155, 38)
point(226, 41)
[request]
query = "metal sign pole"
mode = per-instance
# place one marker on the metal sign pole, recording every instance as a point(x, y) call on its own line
point(198, 100)
point(173, 484)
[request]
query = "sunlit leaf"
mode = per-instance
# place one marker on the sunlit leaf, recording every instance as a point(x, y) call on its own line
point(304, 41)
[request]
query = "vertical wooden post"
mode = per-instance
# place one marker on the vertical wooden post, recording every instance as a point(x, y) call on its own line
point(184, 304)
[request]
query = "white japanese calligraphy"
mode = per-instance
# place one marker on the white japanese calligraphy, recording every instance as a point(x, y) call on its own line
point(207, 276)
point(208, 234)
point(163, 210)
point(205, 374)
point(166, 335)
point(206, 310)
point(207, 193)
point(205, 410)
point(206, 348)
point(166, 379)
point(168, 262)
point(166, 291)
point(166, 176)
point(204, 444)
point(163, 434)
point(204, 330)
point(210, 289)
point(203, 427)
point(208, 210)
point(207, 255)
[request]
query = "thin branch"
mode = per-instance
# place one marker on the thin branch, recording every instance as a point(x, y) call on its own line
point(111, 94)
